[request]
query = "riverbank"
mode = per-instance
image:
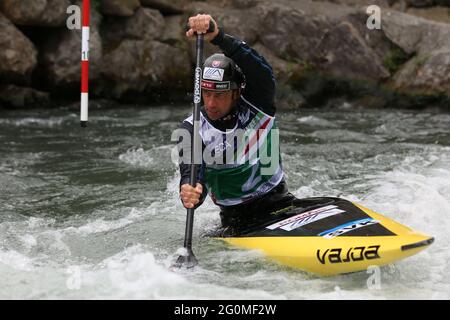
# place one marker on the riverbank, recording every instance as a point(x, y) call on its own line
point(322, 52)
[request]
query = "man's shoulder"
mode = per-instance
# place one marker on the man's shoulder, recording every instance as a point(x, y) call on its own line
point(189, 119)
point(246, 104)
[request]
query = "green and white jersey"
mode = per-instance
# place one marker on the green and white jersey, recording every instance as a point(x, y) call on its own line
point(242, 163)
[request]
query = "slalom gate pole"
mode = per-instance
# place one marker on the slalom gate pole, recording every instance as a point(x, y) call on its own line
point(85, 64)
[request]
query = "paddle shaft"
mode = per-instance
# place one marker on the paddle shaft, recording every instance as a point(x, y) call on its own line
point(194, 141)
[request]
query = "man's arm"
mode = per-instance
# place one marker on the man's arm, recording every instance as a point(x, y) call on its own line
point(260, 80)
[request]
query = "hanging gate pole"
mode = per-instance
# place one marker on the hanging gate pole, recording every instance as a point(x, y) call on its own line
point(85, 64)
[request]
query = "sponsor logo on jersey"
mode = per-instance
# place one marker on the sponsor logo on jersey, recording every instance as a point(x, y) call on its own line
point(213, 74)
point(305, 218)
point(350, 226)
point(340, 255)
point(221, 147)
point(244, 117)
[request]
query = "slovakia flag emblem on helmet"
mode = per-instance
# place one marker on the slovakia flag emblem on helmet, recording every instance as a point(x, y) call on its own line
point(216, 63)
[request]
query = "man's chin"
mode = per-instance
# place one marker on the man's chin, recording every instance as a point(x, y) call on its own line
point(213, 116)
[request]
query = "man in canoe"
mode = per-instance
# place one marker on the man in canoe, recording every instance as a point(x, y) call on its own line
point(238, 90)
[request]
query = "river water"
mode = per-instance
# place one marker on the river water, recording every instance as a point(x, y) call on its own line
point(94, 213)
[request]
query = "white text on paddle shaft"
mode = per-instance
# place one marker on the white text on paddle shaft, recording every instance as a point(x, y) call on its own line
point(237, 147)
point(197, 97)
point(228, 309)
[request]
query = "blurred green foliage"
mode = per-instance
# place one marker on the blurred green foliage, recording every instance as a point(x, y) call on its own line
point(395, 58)
point(95, 4)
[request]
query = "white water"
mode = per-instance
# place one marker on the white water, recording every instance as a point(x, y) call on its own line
point(108, 226)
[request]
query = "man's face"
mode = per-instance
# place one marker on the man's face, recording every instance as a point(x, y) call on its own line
point(218, 103)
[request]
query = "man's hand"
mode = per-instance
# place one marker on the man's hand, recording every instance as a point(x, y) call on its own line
point(190, 195)
point(200, 24)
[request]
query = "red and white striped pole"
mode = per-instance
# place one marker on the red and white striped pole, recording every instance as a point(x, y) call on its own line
point(85, 64)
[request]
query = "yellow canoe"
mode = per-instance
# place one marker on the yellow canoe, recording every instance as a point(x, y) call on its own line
point(329, 236)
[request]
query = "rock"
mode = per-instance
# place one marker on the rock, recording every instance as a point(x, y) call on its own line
point(19, 97)
point(245, 4)
point(442, 2)
point(36, 12)
point(399, 5)
point(282, 69)
point(61, 55)
point(290, 32)
point(336, 41)
point(174, 31)
point(326, 35)
point(142, 65)
point(144, 24)
point(428, 73)
point(344, 53)
point(231, 19)
point(360, 3)
point(238, 4)
point(316, 46)
point(375, 39)
point(415, 35)
point(287, 98)
point(420, 3)
point(121, 8)
point(166, 6)
point(18, 55)
point(438, 14)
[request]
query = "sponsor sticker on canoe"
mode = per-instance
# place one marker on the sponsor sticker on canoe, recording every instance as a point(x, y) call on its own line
point(340, 255)
point(350, 226)
point(305, 218)
point(213, 74)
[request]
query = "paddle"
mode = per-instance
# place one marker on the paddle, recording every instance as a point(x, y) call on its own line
point(188, 259)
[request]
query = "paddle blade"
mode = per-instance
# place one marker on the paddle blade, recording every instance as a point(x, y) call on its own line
point(186, 260)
